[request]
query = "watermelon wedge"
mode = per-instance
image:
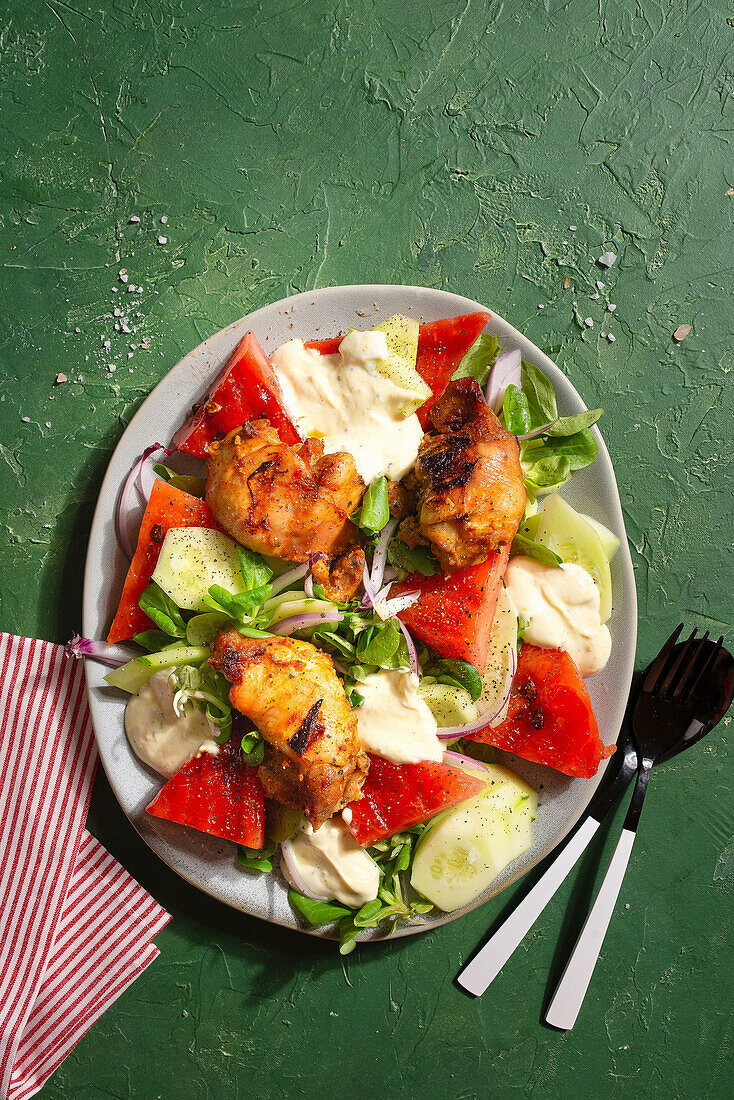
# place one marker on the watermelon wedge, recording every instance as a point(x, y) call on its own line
point(397, 796)
point(167, 507)
point(219, 795)
point(454, 614)
point(441, 347)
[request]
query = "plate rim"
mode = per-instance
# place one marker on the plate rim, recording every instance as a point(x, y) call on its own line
point(101, 514)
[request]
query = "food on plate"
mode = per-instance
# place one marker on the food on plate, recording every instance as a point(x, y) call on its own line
point(464, 850)
point(471, 496)
point(279, 499)
point(549, 717)
point(289, 689)
point(382, 585)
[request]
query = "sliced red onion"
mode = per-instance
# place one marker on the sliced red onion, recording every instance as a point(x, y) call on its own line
point(412, 654)
point(111, 655)
point(536, 432)
point(400, 603)
point(505, 372)
point(370, 593)
point(295, 574)
point(308, 619)
point(379, 557)
point(450, 757)
point(289, 868)
point(448, 733)
point(135, 481)
point(319, 555)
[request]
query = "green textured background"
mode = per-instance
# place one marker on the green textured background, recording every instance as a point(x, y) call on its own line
point(451, 144)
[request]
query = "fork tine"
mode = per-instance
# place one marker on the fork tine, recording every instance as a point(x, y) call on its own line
point(672, 673)
point(707, 665)
point(689, 674)
point(659, 663)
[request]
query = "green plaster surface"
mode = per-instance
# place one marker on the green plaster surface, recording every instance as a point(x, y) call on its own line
point(451, 143)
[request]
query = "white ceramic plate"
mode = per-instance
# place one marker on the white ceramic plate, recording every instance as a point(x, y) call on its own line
point(209, 863)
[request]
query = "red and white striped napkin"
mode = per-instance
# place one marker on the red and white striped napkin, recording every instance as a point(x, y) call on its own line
point(75, 928)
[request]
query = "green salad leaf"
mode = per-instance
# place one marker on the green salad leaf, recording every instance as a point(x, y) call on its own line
point(257, 859)
point(456, 673)
point(419, 560)
point(317, 912)
point(479, 359)
point(375, 510)
point(162, 610)
point(531, 549)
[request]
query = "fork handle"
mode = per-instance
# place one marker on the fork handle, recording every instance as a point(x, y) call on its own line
point(571, 990)
point(487, 963)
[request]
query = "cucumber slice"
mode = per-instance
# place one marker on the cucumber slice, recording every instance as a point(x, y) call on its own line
point(401, 335)
point(135, 673)
point(288, 608)
point(191, 560)
point(462, 853)
point(608, 539)
point(502, 643)
point(450, 706)
point(574, 539)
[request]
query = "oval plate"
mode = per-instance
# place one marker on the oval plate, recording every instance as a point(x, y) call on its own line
point(209, 863)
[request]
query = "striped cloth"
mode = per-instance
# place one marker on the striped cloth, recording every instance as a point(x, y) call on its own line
point(75, 927)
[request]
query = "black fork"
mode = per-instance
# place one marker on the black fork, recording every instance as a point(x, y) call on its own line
point(669, 716)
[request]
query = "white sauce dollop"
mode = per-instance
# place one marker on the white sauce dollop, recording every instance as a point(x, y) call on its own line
point(394, 721)
point(158, 736)
point(560, 604)
point(343, 400)
point(331, 864)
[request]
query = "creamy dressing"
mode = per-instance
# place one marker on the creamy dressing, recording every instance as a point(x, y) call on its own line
point(394, 721)
point(331, 864)
point(343, 400)
point(158, 736)
point(560, 604)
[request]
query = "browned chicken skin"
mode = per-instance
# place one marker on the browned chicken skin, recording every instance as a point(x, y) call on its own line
point(282, 500)
point(292, 694)
point(471, 494)
point(341, 577)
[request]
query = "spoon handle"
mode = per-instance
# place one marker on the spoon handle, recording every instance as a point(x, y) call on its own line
point(571, 990)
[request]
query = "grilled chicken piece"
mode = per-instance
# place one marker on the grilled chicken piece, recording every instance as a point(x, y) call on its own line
point(341, 577)
point(282, 500)
point(471, 493)
point(290, 691)
point(400, 499)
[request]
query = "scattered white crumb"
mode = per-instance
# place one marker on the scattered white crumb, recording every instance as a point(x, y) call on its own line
point(541, 307)
point(163, 240)
point(130, 354)
point(600, 285)
point(572, 228)
point(608, 258)
point(26, 419)
point(611, 337)
point(123, 276)
point(107, 344)
point(164, 219)
point(595, 296)
point(48, 423)
point(612, 306)
point(134, 219)
point(77, 329)
point(589, 322)
point(131, 288)
point(61, 378)
point(602, 333)
point(681, 332)
point(117, 312)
